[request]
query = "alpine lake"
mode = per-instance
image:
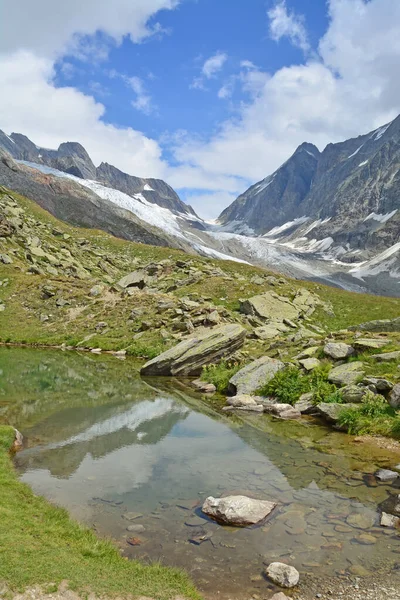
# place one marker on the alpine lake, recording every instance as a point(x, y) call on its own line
point(121, 452)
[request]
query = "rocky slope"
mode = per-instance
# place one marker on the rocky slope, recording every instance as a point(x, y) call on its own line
point(72, 158)
point(341, 204)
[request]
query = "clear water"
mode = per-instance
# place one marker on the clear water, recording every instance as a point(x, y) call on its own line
point(103, 443)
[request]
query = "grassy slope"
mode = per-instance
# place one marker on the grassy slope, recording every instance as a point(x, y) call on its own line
point(22, 295)
point(41, 544)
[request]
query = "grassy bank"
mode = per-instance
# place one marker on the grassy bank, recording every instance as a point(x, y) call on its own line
point(42, 545)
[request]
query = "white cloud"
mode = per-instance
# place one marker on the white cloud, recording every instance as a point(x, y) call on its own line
point(288, 24)
point(209, 70)
point(48, 28)
point(210, 204)
point(142, 101)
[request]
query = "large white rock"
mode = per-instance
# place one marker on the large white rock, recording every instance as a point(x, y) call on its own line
point(283, 575)
point(237, 510)
point(338, 350)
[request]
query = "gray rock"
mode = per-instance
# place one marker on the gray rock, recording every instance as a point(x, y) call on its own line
point(308, 352)
point(237, 510)
point(310, 364)
point(5, 259)
point(386, 475)
point(270, 306)
point(137, 279)
point(389, 520)
point(379, 326)
point(268, 332)
point(387, 356)
point(394, 396)
point(198, 349)
point(280, 596)
point(338, 350)
point(254, 375)
point(283, 575)
point(96, 290)
point(283, 411)
point(305, 405)
point(18, 441)
point(381, 385)
point(242, 401)
point(203, 386)
point(367, 343)
point(346, 374)
point(330, 411)
point(353, 394)
point(136, 528)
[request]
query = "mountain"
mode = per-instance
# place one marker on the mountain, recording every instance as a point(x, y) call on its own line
point(72, 158)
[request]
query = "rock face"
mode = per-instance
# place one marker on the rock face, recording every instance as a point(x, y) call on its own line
point(239, 511)
point(283, 575)
point(197, 350)
point(338, 350)
point(254, 375)
point(346, 374)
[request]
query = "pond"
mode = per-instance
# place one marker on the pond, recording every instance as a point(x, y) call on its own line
point(120, 452)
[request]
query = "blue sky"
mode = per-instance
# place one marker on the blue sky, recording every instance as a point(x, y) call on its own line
point(211, 95)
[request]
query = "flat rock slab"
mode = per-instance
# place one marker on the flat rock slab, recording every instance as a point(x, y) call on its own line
point(309, 364)
point(239, 511)
point(198, 349)
point(367, 343)
point(283, 575)
point(271, 306)
point(330, 411)
point(254, 375)
point(387, 356)
point(346, 374)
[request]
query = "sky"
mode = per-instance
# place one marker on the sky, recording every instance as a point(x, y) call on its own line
point(209, 95)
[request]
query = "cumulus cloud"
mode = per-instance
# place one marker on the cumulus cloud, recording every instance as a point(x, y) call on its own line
point(288, 24)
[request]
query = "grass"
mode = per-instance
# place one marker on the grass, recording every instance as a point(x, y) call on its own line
point(40, 544)
point(289, 384)
point(373, 416)
point(220, 374)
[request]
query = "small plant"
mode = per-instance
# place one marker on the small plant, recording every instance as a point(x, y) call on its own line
point(373, 416)
point(287, 386)
point(220, 374)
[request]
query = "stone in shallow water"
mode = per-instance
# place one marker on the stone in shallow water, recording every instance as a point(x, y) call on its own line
point(135, 528)
point(389, 520)
point(360, 521)
point(366, 539)
point(131, 516)
point(283, 575)
point(237, 510)
point(386, 475)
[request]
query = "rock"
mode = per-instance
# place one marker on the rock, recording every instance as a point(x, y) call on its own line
point(346, 374)
point(203, 386)
point(131, 516)
point(5, 259)
point(338, 350)
point(283, 575)
point(330, 411)
point(254, 375)
point(270, 306)
point(353, 394)
point(310, 364)
point(381, 385)
point(239, 511)
point(379, 326)
point(305, 405)
point(284, 411)
point(389, 520)
point(213, 318)
point(268, 332)
point(365, 539)
point(386, 356)
point(18, 441)
point(96, 290)
point(242, 400)
point(198, 349)
point(360, 521)
point(308, 352)
point(280, 596)
point(386, 475)
point(394, 396)
point(137, 279)
point(136, 528)
point(367, 344)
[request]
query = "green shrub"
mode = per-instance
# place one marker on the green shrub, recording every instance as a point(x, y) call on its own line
point(220, 374)
point(374, 416)
point(286, 385)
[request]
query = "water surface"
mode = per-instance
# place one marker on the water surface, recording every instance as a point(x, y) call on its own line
point(118, 451)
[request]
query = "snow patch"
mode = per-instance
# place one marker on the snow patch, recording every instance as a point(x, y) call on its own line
point(147, 188)
point(381, 131)
point(378, 264)
point(356, 152)
point(379, 217)
point(10, 138)
point(278, 230)
point(363, 163)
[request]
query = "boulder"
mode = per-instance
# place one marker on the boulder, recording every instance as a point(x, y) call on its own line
point(346, 374)
point(387, 356)
point(283, 575)
point(385, 475)
point(381, 385)
point(137, 279)
point(305, 405)
point(394, 396)
point(269, 332)
point(243, 401)
point(338, 350)
point(308, 352)
point(270, 306)
point(370, 344)
point(203, 347)
point(283, 411)
point(254, 375)
point(378, 326)
point(239, 511)
point(309, 364)
point(353, 394)
point(330, 411)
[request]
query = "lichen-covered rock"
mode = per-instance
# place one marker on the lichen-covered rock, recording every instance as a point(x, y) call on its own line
point(330, 411)
point(269, 332)
point(270, 306)
point(353, 394)
point(379, 326)
point(387, 356)
point(254, 375)
point(346, 374)
point(309, 364)
point(240, 511)
point(198, 349)
point(283, 575)
point(338, 350)
point(394, 397)
point(380, 384)
point(370, 344)
point(305, 404)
